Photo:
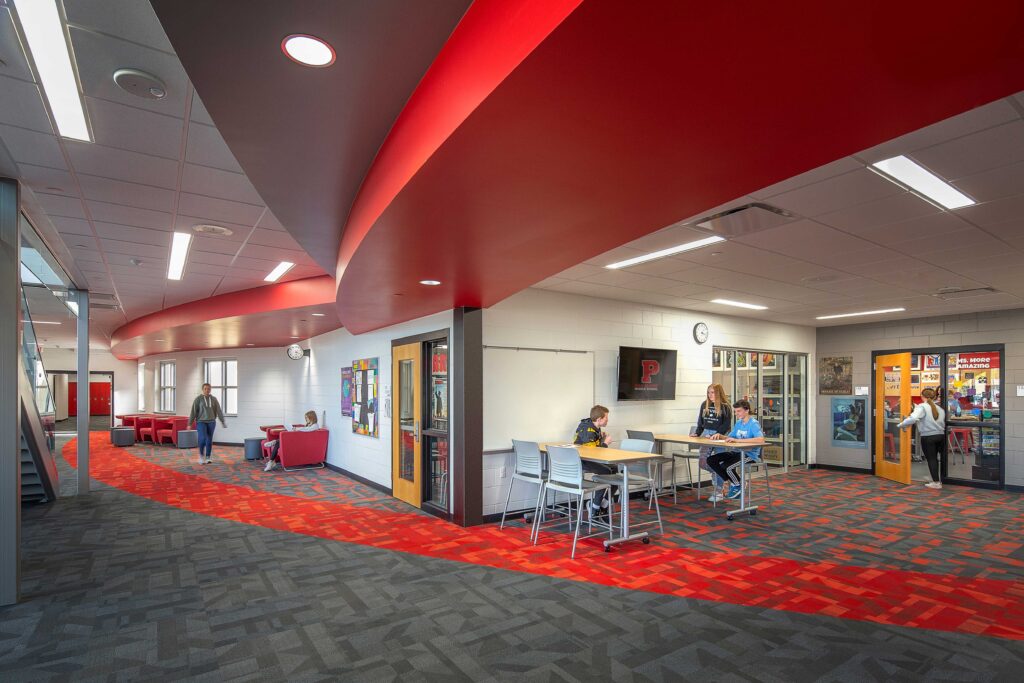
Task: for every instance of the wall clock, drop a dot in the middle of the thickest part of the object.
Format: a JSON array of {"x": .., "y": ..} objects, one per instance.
[
  {"x": 296, "y": 352},
  {"x": 700, "y": 332}
]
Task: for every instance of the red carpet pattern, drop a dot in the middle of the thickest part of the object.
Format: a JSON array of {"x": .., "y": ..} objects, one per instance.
[{"x": 900, "y": 597}]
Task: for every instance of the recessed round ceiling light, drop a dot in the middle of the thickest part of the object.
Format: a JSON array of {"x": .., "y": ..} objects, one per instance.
[
  {"x": 308, "y": 50},
  {"x": 430, "y": 283},
  {"x": 208, "y": 229}
]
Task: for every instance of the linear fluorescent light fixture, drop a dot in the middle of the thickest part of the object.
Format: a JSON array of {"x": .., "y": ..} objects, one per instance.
[
  {"x": 678, "y": 249},
  {"x": 922, "y": 181},
  {"x": 41, "y": 322},
  {"x": 44, "y": 33},
  {"x": 282, "y": 268},
  {"x": 739, "y": 304},
  {"x": 853, "y": 315},
  {"x": 179, "y": 252}
]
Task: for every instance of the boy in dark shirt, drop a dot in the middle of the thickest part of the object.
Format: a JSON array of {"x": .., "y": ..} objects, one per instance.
[{"x": 589, "y": 433}]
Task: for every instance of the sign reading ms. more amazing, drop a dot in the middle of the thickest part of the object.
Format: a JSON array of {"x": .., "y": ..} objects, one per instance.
[{"x": 646, "y": 374}]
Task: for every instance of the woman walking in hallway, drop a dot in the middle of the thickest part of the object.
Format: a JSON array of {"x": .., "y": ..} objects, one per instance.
[
  {"x": 204, "y": 415},
  {"x": 931, "y": 426}
]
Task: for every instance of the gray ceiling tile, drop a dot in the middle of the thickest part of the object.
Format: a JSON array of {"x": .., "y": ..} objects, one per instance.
[
  {"x": 30, "y": 147},
  {"x": 213, "y": 182},
  {"x": 128, "y": 19},
  {"x": 134, "y": 129},
  {"x": 207, "y": 148},
  {"x": 120, "y": 164},
  {"x": 130, "y": 216},
  {"x": 127, "y": 194},
  {"x": 214, "y": 210},
  {"x": 22, "y": 105}
]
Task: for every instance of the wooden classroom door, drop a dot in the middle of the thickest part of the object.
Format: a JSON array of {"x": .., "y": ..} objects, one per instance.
[
  {"x": 99, "y": 398},
  {"x": 892, "y": 404},
  {"x": 406, "y": 441}
]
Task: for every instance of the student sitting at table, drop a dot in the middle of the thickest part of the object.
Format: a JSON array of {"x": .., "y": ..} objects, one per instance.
[
  {"x": 310, "y": 426},
  {"x": 714, "y": 417},
  {"x": 589, "y": 433},
  {"x": 745, "y": 430}
]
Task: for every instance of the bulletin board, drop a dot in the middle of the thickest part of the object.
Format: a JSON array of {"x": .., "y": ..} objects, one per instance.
[{"x": 365, "y": 395}]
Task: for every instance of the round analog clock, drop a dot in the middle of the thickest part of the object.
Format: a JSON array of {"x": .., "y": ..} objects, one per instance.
[
  {"x": 296, "y": 352},
  {"x": 700, "y": 332}
]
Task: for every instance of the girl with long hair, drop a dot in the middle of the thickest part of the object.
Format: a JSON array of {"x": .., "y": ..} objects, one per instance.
[
  {"x": 931, "y": 426},
  {"x": 714, "y": 417}
]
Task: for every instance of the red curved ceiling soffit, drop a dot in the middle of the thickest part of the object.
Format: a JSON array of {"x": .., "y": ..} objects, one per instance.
[
  {"x": 542, "y": 139},
  {"x": 273, "y": 315}
]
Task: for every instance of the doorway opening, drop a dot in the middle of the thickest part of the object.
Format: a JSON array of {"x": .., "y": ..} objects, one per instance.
[
  {"x": 64, "y": 387},
  {"x": 968, "y": 382},
  {"x": 420, "y": 428}
]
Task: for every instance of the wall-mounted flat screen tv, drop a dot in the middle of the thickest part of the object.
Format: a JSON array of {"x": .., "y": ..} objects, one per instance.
[{"x": 646, "y": 374}]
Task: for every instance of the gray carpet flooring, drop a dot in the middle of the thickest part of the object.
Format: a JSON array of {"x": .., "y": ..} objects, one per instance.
[{"x": 120, "y": 588}]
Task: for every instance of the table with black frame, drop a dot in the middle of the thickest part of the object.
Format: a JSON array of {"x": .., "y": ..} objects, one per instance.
[{"x": 722, "y": 443}]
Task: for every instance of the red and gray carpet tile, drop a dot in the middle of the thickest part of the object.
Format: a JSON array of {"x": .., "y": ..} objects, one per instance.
[{"x": 843, "y": 577}]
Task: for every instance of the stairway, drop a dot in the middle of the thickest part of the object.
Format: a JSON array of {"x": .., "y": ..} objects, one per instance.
[{"x": 32, "y": 490}]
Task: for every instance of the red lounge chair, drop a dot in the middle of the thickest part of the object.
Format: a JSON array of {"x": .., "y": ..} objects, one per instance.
[
  {"x": 144, "y": 429},
  {"x": 167, "y": 430},
  {"x": 302, "y": 449}
]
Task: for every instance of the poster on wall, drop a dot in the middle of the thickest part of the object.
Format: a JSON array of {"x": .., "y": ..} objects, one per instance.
[
  {"x": 716, "y": 359},
  {"x": 835, "y": 375},
  {"x": 932, "y": 361},
  {"x": 346, "y": 392},
  {"x": 848, "y": 422},
  {"x": 364, "y": 402}
]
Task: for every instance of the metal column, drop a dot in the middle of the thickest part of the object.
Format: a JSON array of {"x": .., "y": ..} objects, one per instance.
[
  {"x": 82, "y": 298},
  {"x": 10, "y": 409}
]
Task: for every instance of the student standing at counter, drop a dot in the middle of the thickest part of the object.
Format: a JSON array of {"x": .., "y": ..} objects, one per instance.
[
  {"x": 931, "y": 425},
  {"x": 746, "y": 430},
  {"x": 714, "y": 417}
]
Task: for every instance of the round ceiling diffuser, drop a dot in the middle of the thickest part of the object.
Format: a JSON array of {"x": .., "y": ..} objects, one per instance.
[
  {"x": 140, "y": 84},
  {"x": 213, "y": 229}
]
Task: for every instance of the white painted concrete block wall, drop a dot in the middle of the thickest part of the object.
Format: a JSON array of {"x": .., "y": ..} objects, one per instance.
[
  {"x": 995, "y": 327},
  {"x": 544, "y": 319},
  {"x": 274, "y": 389}
]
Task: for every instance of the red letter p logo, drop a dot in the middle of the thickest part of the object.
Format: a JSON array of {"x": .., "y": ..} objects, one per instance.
[{"x": 649, "y": 368}]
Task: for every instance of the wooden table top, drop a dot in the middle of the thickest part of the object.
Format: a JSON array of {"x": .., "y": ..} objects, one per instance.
[
  {"x": 701, "y": 441},
  {"x": 606, "y": 455}
]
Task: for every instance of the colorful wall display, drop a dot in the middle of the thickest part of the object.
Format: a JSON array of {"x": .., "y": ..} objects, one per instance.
[
  {"x": 835, "y": 375},
  {"x": 365, "y": 383},
  {"x": 848, "y": 422},
  {"x": 346, "y": 392}
]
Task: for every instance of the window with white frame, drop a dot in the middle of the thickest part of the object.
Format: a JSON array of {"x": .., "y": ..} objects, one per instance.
[
  {"x": 168, "y": 377},
  {"x": 142, "y": 387},
  {"x": 222, "y": 376}
]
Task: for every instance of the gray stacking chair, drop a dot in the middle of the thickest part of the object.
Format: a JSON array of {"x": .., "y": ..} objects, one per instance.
[
  {"x": 529, "y": 468},
  {"x": 565, "y": 475},
  {"x": 639, "y": 473},
  {"x": 660, "y": 464}
]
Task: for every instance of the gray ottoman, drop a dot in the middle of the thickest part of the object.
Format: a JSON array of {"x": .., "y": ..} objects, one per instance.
[
  {"x": 254, "y": 448},
  {"x": 122, "y": 436},
  {"x": 188, "y": 438}
]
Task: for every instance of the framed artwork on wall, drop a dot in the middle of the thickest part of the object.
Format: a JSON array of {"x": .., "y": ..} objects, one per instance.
[
  {"x": 346, "y": 391},
  {"x": 768, "y": 361},
  {"x": 848, "y": 422},
  {"x": 716, "y": 359},
  {"x": 932, "y": 361},
  {"x": 835, "y": 375},
  {"x": 915, "y": 362},
  {"x": 365, "y": 384}
]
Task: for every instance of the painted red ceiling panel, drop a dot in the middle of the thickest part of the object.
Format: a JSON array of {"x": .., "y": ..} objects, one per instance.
[
  {"x": 628, "y": 117},
  {"x": 273, "y": 315}
]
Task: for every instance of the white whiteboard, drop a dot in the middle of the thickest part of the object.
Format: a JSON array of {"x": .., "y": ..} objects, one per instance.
[{"x": 535, "y": 395}]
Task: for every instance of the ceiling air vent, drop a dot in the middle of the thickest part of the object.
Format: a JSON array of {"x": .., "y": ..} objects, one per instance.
[
  {"x": 746, "y": 220},
  {"x": 947, "y": 293}
]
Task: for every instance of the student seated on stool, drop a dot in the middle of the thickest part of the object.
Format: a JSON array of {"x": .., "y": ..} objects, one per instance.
[
  {"x": 589, "y": 433},
  {"x": 310, "y": 426},
  {"x": 746, "y": 430}
]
